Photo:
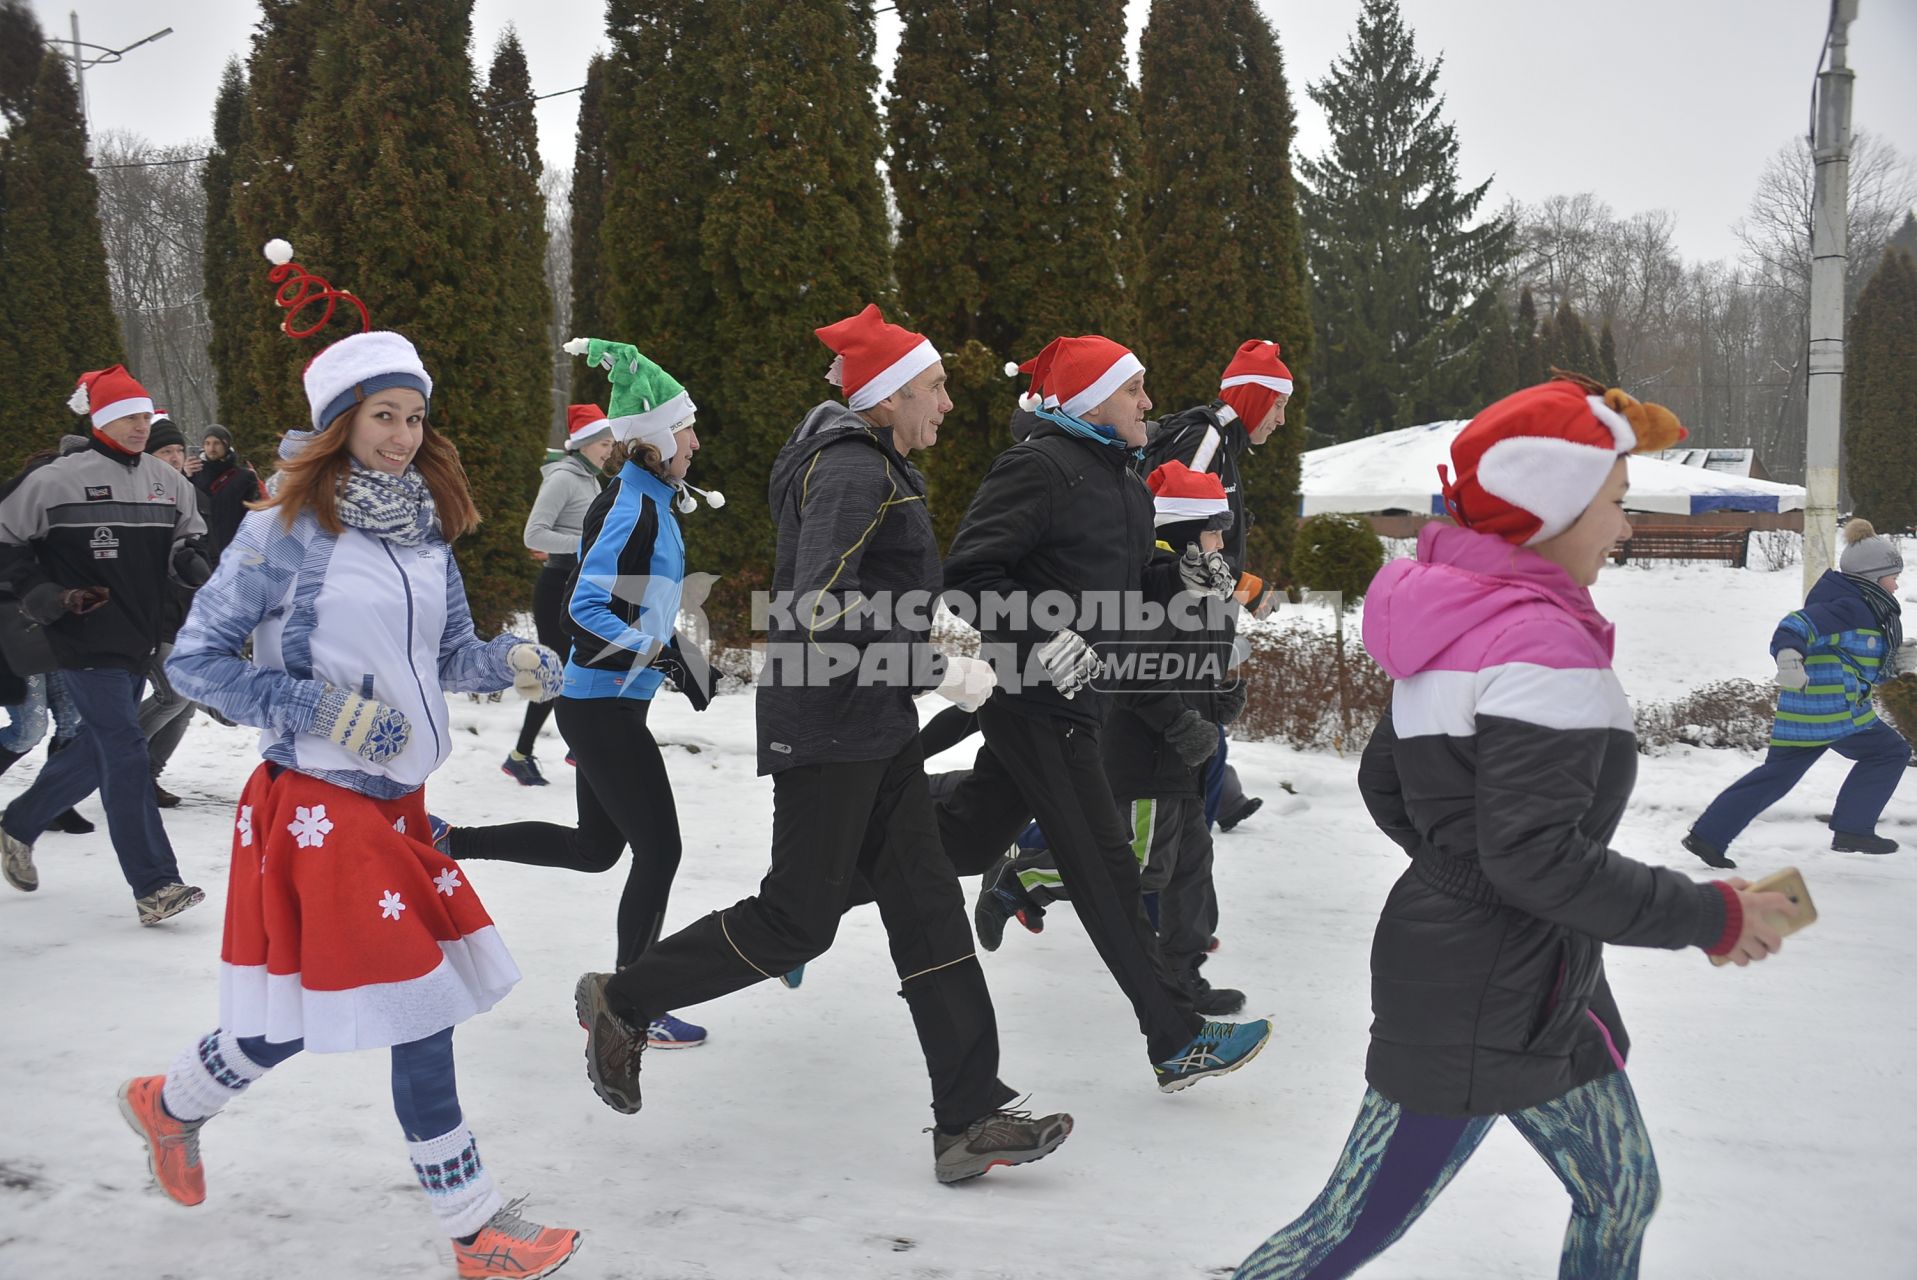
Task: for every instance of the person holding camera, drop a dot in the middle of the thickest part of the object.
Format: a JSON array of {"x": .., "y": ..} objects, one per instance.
[{"x": 93, "y": 545}]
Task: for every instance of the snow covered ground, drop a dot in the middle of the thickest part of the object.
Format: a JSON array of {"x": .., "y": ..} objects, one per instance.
[{"x": 1782, "y": 1099}]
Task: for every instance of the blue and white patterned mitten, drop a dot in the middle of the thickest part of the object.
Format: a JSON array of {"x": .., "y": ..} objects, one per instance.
[
  {"x": 371, "y": 730},
  {"x": 538, "y": 673}
]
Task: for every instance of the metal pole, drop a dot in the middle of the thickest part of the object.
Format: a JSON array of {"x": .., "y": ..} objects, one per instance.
[
  {"x": 79, "y": 74},
  {"x": 1830, "y": 253}
]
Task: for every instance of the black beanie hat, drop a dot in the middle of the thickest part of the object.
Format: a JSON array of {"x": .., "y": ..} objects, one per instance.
[{"x": 163, "y": 434}]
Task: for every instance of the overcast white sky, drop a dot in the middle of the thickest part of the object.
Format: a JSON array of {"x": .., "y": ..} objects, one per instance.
[{"x": 1670, "y": 104}]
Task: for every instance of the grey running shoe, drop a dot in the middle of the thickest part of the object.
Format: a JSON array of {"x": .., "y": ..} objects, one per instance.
[
  {"x": 612, "y": 1047},
  {"x": 168, "y": 901},
  {"x": 16, "y": 864},
  {"x": 1001, "y": 1138}
]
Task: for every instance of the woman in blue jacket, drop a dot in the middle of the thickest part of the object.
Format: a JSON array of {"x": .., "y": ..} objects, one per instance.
[
  {"x": 621, "y": 607},
  {"x": 1846, "y": 640}
]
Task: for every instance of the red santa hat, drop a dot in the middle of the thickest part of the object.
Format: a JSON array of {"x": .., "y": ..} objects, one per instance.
[
  {"x": 1180, "y": 494},
  {"x": 109, "y": 394},
  {"x": 584, "y": 424},
  {"x": 1528, "y": 466},
  {"x": 1254, "y": 380},
  {"x": 1076, "y": 375},
  {"x": 874, "y": 358}
]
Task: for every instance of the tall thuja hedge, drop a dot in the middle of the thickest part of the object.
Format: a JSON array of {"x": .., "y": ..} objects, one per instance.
[
  {"x": 229, "y": 266},
  {"x": 397, "y": 196},
  {"x": 1880, "y": 397},
  {"x": 795, "y": 237},
  {"x": 1224, "y": 245},
  {"x": 53, "y": 269},
  {"x": 1014, "y": 219},
  {"x": 588, "y": 209},
  {"x": 519, "y": 221}
]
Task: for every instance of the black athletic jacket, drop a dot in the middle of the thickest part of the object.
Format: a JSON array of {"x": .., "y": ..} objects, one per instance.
[{"x": 97, "y": 517}]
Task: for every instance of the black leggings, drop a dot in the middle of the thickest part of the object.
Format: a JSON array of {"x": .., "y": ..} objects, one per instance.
[
  {"x": 625, "y": 798},
  {"x": 549, "y": 624}
]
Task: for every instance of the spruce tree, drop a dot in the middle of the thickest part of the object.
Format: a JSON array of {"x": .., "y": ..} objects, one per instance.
[
  {"x": 53, "y": 269},
  {"x": 1607, "y": 356},
  {"x": 1009, "y": 173},
  {"x": 1224, "y": 244},
  {"x": 590, "y": 177},
  {"x": 1497, "y": 351},
  {"x": 795, "y": 237},
  {"x": 1393, "y": 258},
  {"x": 1530, "y": 347},
  {"x": 1880, "y": 397},
  {"x": 230, "y": 267}
]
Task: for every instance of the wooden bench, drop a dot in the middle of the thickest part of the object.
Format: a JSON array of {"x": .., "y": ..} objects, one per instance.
[{"x": 1684, "y": 542}]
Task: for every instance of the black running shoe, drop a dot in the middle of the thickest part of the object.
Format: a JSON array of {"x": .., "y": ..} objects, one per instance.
[
  {"x": 1855, "y": 842},
  {"x": 1713, "y": 857},
  {"x": 1000, "y": 897},
  {"x": 1214, "y": 1002},
  {"x": 1250, "y": 805}
]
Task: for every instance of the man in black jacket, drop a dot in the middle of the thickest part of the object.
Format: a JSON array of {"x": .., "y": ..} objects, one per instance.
[
  {"x": 93, "y": 545},
  {"x": 1051, "y": 554},
  {"x": 228, "y": 483},
  {"x": 848, "y": 631}
]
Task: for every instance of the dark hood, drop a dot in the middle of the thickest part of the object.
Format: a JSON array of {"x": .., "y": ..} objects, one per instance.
[{"x": 827, "y": 424}]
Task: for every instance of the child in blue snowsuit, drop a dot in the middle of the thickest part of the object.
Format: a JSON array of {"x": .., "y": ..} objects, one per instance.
[{"x": 1831, "y": 654}]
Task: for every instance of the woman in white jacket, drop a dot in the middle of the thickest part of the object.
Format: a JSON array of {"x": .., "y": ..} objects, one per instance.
[{"x": 345, "y": 928}]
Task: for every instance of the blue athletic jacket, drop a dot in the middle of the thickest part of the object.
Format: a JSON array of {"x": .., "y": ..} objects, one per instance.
[
  {"x": 1844, "y": 649},
  {"x": 624, "y": 597}
]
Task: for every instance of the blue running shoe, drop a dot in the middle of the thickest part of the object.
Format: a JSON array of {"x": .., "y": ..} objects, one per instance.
[
  {"x": 668, "y": 1032},
  {"x": 440, "y": 832},
  {"x": 1217, "y": 1048},
  {"x": 524, "y": 770},
  {"x": 794, "y": 978}
]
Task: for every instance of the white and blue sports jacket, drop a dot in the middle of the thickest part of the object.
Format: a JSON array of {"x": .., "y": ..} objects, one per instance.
[
  {"x": 624, "y": 599},
  {"x": 350, "y": 611}
]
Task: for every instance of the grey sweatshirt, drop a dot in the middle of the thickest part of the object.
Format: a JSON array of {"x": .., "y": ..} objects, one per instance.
[{"x": 558, "y": 514}]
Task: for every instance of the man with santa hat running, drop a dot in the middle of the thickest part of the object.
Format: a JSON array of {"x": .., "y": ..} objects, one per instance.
[
  {"x": 847, "y": 647},
  {"x": 1063, "y": 525}
]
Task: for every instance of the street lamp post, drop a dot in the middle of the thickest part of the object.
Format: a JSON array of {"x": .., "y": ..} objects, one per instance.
[{"x": 101, "y": 57}]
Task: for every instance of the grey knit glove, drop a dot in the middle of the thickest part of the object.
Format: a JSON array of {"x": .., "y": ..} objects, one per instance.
[{"x": 1193, "y": 737}]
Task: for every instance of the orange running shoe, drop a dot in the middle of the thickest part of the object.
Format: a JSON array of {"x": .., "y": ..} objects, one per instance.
[
  {"x": 508, "y": 1245},
  {"x": 172, "y": 1146}
]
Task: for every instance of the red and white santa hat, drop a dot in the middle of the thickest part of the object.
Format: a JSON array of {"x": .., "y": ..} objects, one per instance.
[
  {"x": 1076, "y": 375},
  {"x": 585, "y": 423},
  {"x": 1528, "y": 466},
  {"x": 1254, "y": 380},
  {"x": 1180, "y": 494},
  {"x": 874, "y": 358},
  {"x": 109, "y": 394}
]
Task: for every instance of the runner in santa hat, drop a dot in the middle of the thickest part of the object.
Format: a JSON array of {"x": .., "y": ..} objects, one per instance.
[
  {"x": 566, "y": 490},
  {"x": 1060, "y": 530},
  {"x": 1502, "y": 768},
  {"x": 345, "y": 928},
  {"x": 620, "y": 615},
  {"x": 94, "y": 545},
  {"x": 838, "y": 732}
]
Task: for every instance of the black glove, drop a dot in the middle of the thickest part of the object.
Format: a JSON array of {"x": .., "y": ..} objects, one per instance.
[
  {"x": 190, "y": 564},
  {"x": 1231, "y": 703},
  {"x": 1193, "y": 737},
  {"x": 49, "y": 602},
  {"x": 672, "y": 661}
]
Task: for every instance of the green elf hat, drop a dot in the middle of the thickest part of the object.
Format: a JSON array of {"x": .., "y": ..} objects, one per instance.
[{"x": 647, "y": 404}]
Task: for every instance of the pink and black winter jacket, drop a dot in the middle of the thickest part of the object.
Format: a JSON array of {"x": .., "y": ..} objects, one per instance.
[{"x": 1502, "y": 769}]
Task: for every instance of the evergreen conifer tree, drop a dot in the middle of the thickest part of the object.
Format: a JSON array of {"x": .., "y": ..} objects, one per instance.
[
  {"x": 53, "y": 269},
  {"x": 229, "y": 265},
  {"x": 589, "y": 181},
  {"x": 1573, "y": 351},
  {"x": 1530, "y": 345},
  {"x": 1393, "y": 258},
  {"x": 519, "y": 227},
  {"x": 1013, "y": 216},
  {"x": 1224, "y": 244},
  {"x": 1607, "y": 356},
  {"x": 22, "y": 45},
  {"x": 1880, "y": 397},
  {"x": 1497, "y": 353}
]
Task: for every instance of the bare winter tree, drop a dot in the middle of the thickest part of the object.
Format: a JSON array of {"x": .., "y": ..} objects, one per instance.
[
  {"x": 556, "y": 186},
  {"x": 152, "y": 211}
]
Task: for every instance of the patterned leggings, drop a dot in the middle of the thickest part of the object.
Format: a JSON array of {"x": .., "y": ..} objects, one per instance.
[
  {"x": 1396, "y": 1162},
  {"x": 27, "y": 723}
]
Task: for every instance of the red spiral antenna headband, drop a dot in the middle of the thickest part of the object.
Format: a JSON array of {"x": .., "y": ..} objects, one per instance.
[{"x": 299, "y": 289}]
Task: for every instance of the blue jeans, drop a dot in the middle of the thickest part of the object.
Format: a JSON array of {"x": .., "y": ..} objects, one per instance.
[
  {"x": 1396, "y": 1162},
  {"x": 108, "y": 755},
  {"x": 1880, "y": 752}
]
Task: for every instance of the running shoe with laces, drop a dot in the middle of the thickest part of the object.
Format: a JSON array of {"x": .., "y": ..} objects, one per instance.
[
  {"x": 792, "y": 978},
  {"x": 668, "y": 1032},
  {"x": 1218, "y": 1048},
  {"x": 1000, "y": 1139},
  {"x": 508, "y": 1245},
  {"x": 172, "y": 1146},
  {"x": 16, "y": 864},
  {"x": 168, "y": 901},
  {"x": 524, "y": 770},
  {"x": 1000, "y": 897},
  {"x": 612, "y": 1047}
]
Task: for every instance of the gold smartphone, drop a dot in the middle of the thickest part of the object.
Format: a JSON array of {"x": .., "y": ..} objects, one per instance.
[{"x": 1790, "y": 883}]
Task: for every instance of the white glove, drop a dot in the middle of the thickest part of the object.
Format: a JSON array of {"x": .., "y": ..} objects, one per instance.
[
  {"x": 1205, "y": 573},
  {"x": 371, "y": 730},
  {"x": 1790, "y": 670},
  {"x": 538, "y": 673},
  {"x": 1069, "y": 661},
  {"x": 968, "y": 682}
]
